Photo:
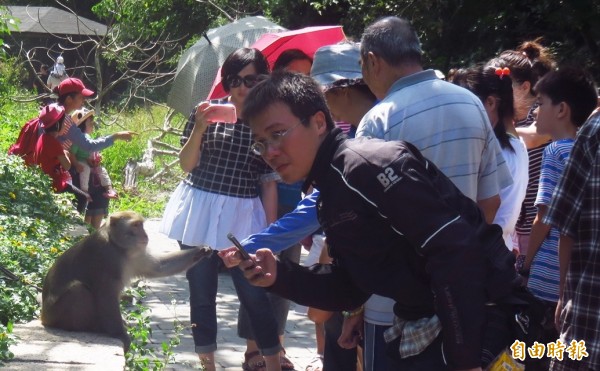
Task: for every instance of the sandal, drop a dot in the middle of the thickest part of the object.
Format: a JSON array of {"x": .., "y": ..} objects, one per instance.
[
  {"x": 316, "y": 364},
  {"x": 256, "y": 366},
  {"x": 286, "y": 364}
]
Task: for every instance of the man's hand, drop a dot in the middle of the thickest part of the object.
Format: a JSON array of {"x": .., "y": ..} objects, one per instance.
[
  {"x": 352, "y": 332},
  {"x": 557, "y": 322},
  {"x": 261, "y": 270},
  {"x": 230, "y": 256}
]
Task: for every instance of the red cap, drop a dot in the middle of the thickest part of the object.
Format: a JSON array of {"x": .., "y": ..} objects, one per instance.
[
  {"x": 50, "y": 114},
  {"x": 73, "y": 85}
]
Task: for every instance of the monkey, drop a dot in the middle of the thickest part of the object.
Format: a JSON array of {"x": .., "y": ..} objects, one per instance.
[{"x": 81, "y": 290}]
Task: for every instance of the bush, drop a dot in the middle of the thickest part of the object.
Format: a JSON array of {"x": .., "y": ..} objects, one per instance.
[
  {"x": 14, "y": 116},
  {"x": 12, "y": 72},
  {"x": 34, "y": 226}
]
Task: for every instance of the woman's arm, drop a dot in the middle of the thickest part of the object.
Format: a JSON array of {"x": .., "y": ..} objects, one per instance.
[
  {"x": 189, "y": 156},
  {"x": 530, "y": 136}
]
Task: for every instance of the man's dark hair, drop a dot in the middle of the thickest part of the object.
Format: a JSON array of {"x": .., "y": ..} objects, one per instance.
[
  {"x": 299, "y": 92},
  {"x": 239, "y": 59},
  {"x": 288, "y": 56},
  {"x": 573, "y": 86},
  {"x": 394, "y": 40}
]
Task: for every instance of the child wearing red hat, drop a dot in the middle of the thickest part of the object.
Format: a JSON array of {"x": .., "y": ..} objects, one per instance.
[{"x": 49, "y": 153}]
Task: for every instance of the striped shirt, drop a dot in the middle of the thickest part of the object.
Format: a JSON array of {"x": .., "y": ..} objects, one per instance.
[
  {"x": 575, "y": 212},
  {"x": 528, "y": 210},
  {"x": 544, "y": 276},
  {"x": 228, "y": 166},
  {"x": 449, "y": 125}
]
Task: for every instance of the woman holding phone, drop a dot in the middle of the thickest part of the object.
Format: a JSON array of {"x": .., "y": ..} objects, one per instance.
[{"x": 221, "y": 195}]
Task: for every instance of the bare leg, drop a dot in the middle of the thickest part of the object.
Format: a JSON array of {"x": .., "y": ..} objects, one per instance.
[
  {"x": 207, "y": 361},
  {"x": 95, "y": 220}
]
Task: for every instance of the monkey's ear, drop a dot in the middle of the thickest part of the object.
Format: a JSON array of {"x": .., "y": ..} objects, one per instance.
[{"x": 113, "y": 219}]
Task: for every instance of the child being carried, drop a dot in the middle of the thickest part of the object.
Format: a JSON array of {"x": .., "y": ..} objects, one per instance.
[{"x": 88, "y": 162}]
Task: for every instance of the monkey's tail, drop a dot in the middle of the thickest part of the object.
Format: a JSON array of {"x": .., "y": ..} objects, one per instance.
[{"x": 13, "y": 277}]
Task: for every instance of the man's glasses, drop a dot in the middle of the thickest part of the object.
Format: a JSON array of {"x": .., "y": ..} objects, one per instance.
[
  {"x": 260, "y": 148},
  {"x": 235, "y": 81}
]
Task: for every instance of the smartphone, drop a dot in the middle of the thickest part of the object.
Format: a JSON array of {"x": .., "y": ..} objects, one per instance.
[
  {"x": 223, "y": 113},
  {"x": 243, "y": 252}
]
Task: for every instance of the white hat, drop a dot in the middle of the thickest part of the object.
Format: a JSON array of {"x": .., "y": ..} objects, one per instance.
[
  {"x": 335, "y": 64},
  {"x": 60, "y": 59},
  {"x": 81, "y": 115}
]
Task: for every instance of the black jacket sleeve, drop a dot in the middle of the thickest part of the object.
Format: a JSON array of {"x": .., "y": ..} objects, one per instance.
[{"x": 323, "y": 286}]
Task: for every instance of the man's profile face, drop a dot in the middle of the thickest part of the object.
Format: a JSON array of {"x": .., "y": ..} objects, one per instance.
[{"x": 289, "y": 146}]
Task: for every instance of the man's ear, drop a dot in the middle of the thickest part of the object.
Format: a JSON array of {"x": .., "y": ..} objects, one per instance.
[
  {"x": 320, "y": 122},
  {"x": 374, "y": 62}
]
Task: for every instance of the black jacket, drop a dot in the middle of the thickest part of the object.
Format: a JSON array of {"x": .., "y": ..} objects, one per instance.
[{"x": 397, "y": 227}]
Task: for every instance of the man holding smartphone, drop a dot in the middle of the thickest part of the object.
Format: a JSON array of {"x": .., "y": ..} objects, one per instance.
[{"x": 395, "y": 225}]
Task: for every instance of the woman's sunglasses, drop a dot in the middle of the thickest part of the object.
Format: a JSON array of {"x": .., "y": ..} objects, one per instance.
[{"x": 235, "y": 81}]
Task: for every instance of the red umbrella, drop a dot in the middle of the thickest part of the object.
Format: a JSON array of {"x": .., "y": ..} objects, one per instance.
[{"x": 307, "y": 39}]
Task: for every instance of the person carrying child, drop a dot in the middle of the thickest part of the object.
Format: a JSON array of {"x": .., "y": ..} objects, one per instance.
[
  {"x": 49, "y": 153},
  {"x": 88, "y": 162}
]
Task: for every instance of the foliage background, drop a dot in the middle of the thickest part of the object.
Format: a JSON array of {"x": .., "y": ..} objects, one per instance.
[{"x": 454, "y": 33}]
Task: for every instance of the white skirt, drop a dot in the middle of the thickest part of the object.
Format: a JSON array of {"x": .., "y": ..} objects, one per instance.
[{"x": 197, "y": 217}]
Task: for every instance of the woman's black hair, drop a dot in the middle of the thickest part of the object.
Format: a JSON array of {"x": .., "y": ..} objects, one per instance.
[
  {"x": 485, "y": 81},
  {"x": 238, "y": 60}
]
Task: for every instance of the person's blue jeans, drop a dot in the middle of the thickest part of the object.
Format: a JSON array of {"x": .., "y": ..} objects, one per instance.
[
  {"x": 203, "y": 282},
  {"x": 280, "y": 306}
]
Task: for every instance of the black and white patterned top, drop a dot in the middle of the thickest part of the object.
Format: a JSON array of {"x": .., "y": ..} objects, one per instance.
[{"x": 227, "y": 165}]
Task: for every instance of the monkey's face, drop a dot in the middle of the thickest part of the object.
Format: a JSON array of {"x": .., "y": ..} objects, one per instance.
[
  {"x": 127, "y": 230},
  {"x": 136, "y": 235}
]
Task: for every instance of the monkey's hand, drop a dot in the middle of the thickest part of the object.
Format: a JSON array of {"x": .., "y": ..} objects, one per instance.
[
  {"x": 230, "y": 256},
  {"x": 202, "y": 252},
  {"x": 261, "y": 269}
]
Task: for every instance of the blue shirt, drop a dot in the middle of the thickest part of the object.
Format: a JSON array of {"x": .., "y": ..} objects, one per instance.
[
  {"x": 74, "y": 136},
  {"x": 287, "y": 230},
  {"x": 449, "y": 125}
]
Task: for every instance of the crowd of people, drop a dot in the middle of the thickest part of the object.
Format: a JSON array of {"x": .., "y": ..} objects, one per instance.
[
  {"x": 428, "y": 210},
  {"x": 435, "y": 210}
]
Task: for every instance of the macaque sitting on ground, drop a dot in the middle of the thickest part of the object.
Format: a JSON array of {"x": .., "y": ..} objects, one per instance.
[{"x": 82, "y": 289}]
